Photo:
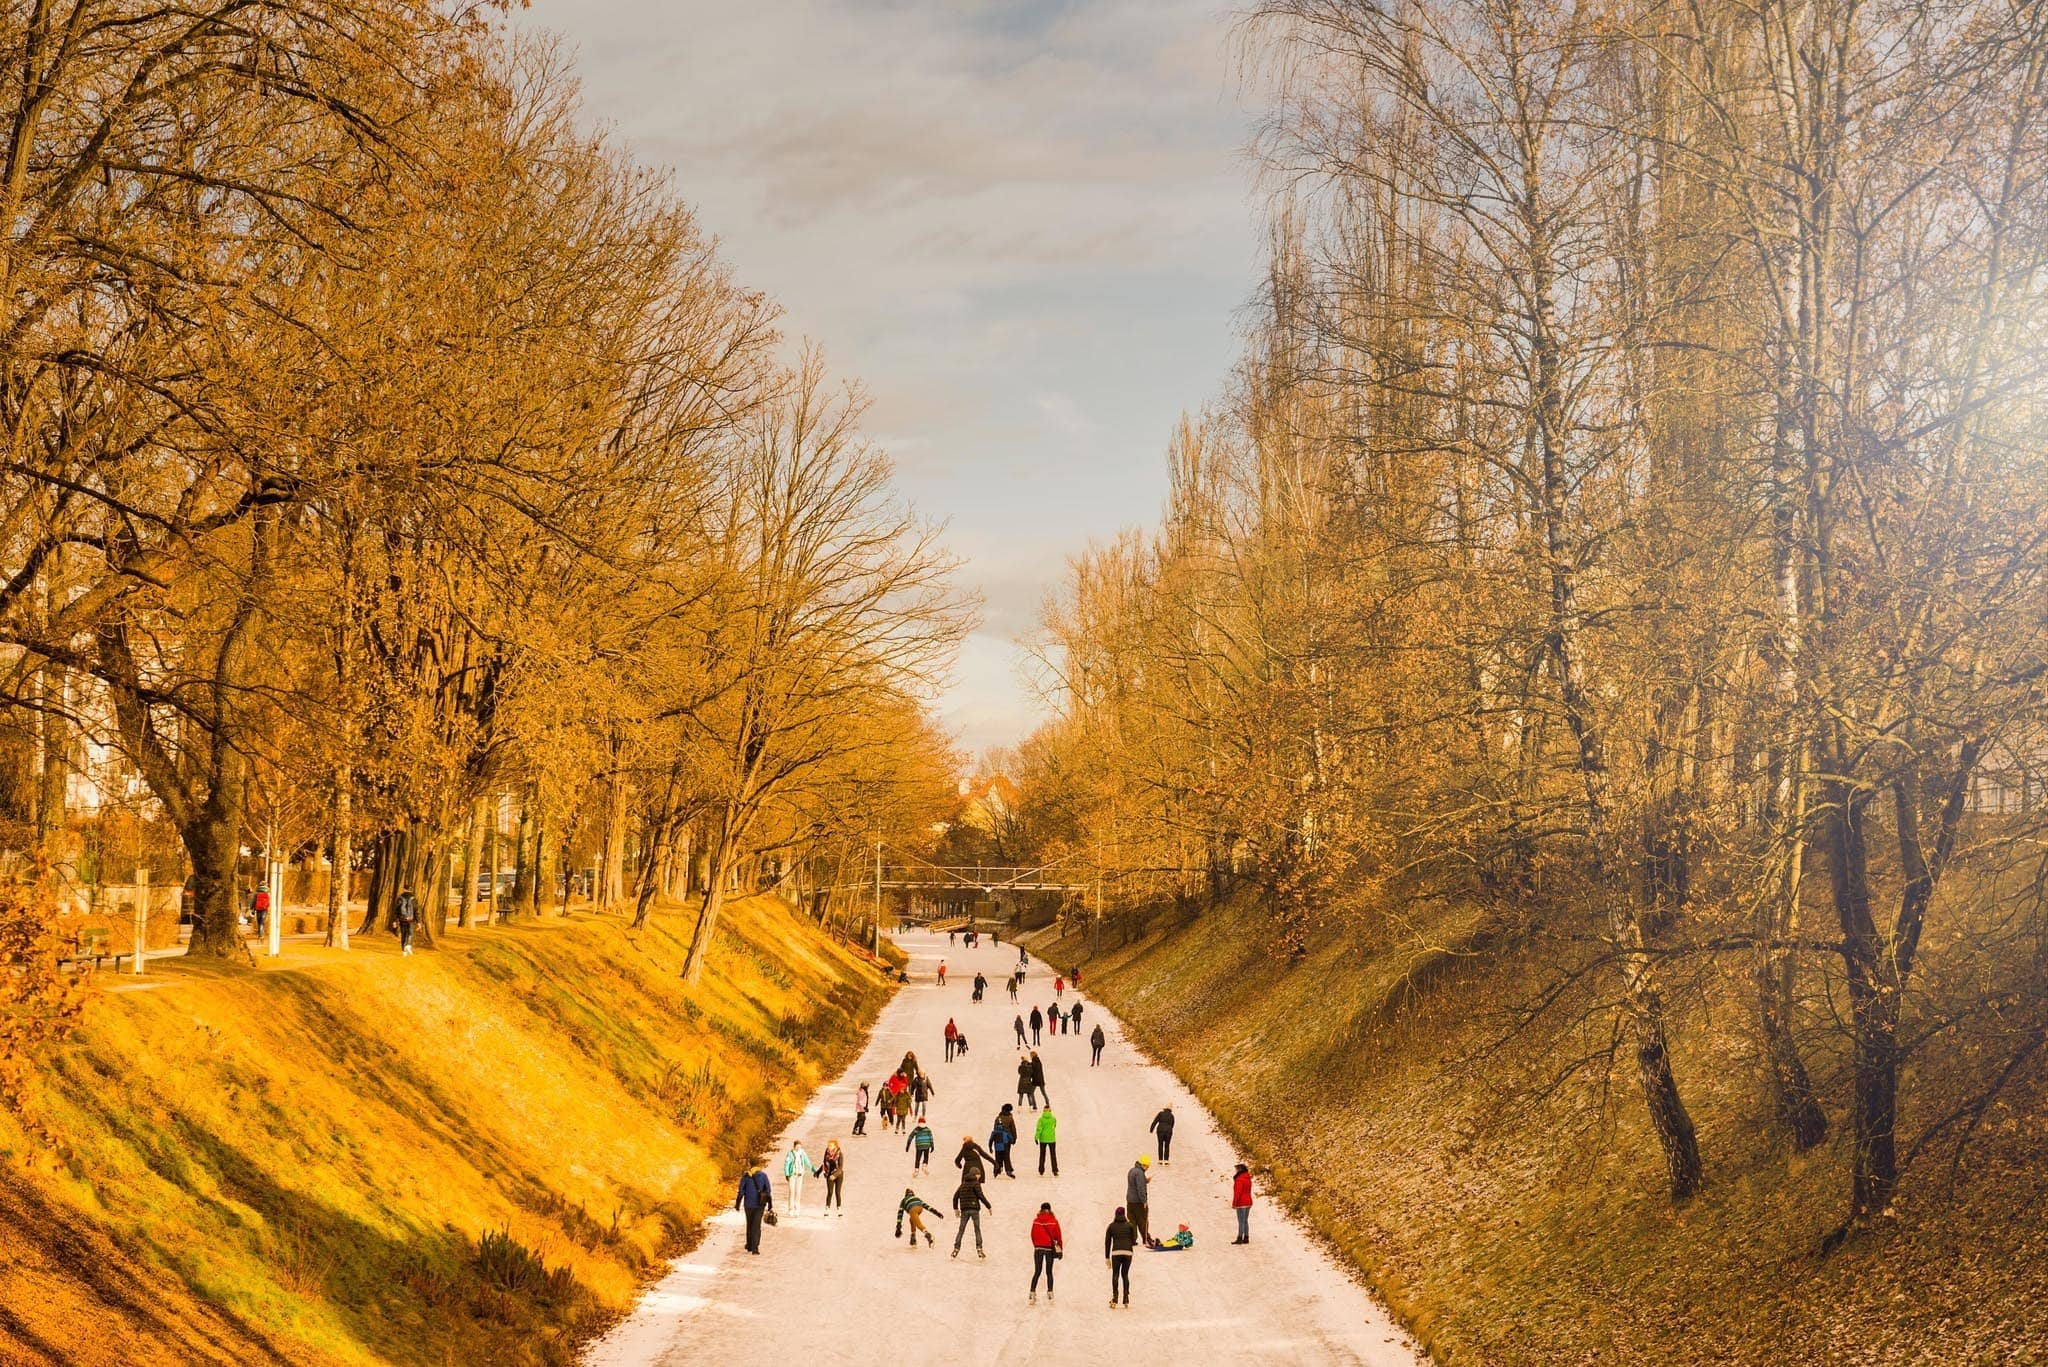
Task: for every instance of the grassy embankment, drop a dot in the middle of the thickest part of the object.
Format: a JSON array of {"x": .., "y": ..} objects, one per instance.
[
  {"x": 1372, "y": 1092},
  {"x": 475, "y": 1155}
]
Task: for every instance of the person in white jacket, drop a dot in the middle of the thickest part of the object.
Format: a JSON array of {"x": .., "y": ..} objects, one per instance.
[{"x": 796, "y": 1166}]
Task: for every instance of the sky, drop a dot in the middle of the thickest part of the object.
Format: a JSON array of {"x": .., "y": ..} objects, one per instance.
[{"x": 1025, "y": 228}]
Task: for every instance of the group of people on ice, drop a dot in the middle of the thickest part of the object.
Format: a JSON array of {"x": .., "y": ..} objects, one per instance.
[{"x": 905, "y": 1095}]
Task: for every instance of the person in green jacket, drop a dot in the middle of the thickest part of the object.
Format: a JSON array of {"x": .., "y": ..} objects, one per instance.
[
  {"x": 916, "y": 1208},
  {"x": 922, "y": 1142},
  {"x": 1047, "y": 1136}
]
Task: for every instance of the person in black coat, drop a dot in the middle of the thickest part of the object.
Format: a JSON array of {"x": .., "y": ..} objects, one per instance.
[
  {"x": 1095, "y": 1043},
  {"x": 1037, "y": 1025},
  {"x": 1027, "y": 1086},
  {"x": 756, "y": 1198},
  {"x": 971, "y": 1159},
  {"x": 1119, "y": 1242},
  {"x": 1038, "y": 1078},
  {"x": 1002, "y": 1141},
  {"x": 1162, "y": 1125}
]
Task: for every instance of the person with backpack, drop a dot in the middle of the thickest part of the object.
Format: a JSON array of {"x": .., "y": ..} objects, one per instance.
[
  {"x": 921, "y": 1143},
  {"x": 860, "y": 1109},
  {"x": 260, "y": 903},
  {"x": 973, "y": 1160},
  {"x": 1162, "y": 1125},
  {"x": 1095, "y": 1043},
  {"x": 797, "y": 1165},
  {"x": 756, "y": 1198},
  {"x": 915, "y": 1207},
  {"x": 406, "y": 917},
  {"x": 1046, "y": 1249},
  {"x": 1241, "y": 1203},
  {"x": 832, "y": 1167},
  {"x": 1037, "y": 1026},
  {"x": 969, "y": 1201},
  {"x": 1002, "y": 1139},
  {"x": 1047, "y": 1134},
  {"x": 1119, "y": 1242},
  {"x": 1137, "y": 1189}
]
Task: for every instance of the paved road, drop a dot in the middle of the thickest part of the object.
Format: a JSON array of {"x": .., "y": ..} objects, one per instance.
[{"x": 831, "y": 1290}]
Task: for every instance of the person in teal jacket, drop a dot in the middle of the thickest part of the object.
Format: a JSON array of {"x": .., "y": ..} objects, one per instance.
[
  {"x": 916, "y": 1208},
  {"x": 1047, "y": 1136},
  {"x": 796, "y": 1166},
  {"x": 921, "y": 1142}
]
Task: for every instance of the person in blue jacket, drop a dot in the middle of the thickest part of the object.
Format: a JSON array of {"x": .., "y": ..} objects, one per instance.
[{"x": 756, "y": 1198}]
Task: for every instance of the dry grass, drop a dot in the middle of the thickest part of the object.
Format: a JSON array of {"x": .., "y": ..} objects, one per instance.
[
  {"x": 336, "y": 1158},
  {"x": 1505, "y": 1231}
]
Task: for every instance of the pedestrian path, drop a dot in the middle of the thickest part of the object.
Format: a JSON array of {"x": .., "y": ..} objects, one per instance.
[{"x": 840, "y": 1290}]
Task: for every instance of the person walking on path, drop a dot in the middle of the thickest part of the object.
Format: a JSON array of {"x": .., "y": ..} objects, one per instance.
[
  {"x": 406, "y": 916},
  {"x": 952, "y": 1036},
  {"x": 920, "y": 1144},
  {"x": 1047, "y": 1134},
  {"x": 1241, "y": 1202},
  {"x": 973, "y": 1160},
  {"x": 860, "y": 1109},
  {"x": 1046, "y": 1248},
  {"x": 1074, "y": 1017},
  {"x": 1027, "y": 1089},
  {"x": 797, "y": 1165},
  {"x": 1074, "y": 976},
  {"x": 1137, "y": 1189},
  {"x": 969, "y": 1200},
  {"x": 756, "y": 1198},
  {"x": 1119, "y": 1241},
  {"x": 1059, "y": 985},
  {"x": 1095, "y": 1043},
  {"x": 915, "y": 1207},
  {"x": 1002, "y": 1139},
  {"x": 1162, "y": 1125},
  {"x": 1037, "y": 1025},
  {"x": 832, "y": 1167},
  {"x": 1038, "y": 1078}
]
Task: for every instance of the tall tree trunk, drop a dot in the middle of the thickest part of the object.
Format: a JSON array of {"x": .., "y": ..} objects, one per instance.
[
  {"x": 341, "y": 854},
  {"x": 472, "y": 858},
  {"x": 721, "y": 855}
]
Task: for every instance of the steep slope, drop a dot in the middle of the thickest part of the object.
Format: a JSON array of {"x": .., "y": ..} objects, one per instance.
[{"x": 475, "y": 1154}]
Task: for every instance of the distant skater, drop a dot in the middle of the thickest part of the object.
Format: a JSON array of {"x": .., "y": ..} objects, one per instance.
[
  {"x": 1095, "y": 1043},
  {"x": 1002, "y": 1139},
  {"x": 952, "y": 1037},
  {"x": 832, "y": 1167},
  {"x": 1162, "y": 1125},
  {"x": 914, "y": 1207},
  {"x": 920, "y": 1145},
  {"x": 1241, "y": 1202},
  {"x": 1037, "y": 1026},
  {"x": 1074, "y": 1017},
  {"x": 1047, "y": 1134},
  {"x": 756, "y": 1198},
  {"x": 1013, "y": 988},
  {"x": 860, "y": 1109},
  {"x": 1022, "y": 1039},
  {"x": 1046, "y": 1247},
  {"x": 942, "y": 973},
  {"x": 1059, "y": 985},
  {"x": 1027, "y": 1088},
  {"x": 1038, "y": 1078},
  {"x": 969, "y": 1201},
  {"x": 1118, "y": 1243},
  {"x": 797, "y": 1165}
]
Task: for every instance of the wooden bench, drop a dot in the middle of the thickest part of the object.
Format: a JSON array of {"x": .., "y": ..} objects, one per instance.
[{"x": 94, "y": 947}]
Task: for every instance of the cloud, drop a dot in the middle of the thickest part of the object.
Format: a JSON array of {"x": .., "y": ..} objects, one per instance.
[{"x": 1062, "y": 417}]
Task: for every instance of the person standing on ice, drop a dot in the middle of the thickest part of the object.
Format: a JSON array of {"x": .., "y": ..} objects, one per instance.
[
  {"x": 1074, "y": 1017},
  {"x": 1162, "y": 1125},
  {"x": 1002, "y": 1139},
  {"x": 914, "y": 1206},
  {"x": 921, "y": 1143},
  {"x": 1013, "y": 987},
  {"x": 969, "y": 1200},
  {"x": 1027, "y": 1089},
  {"x": 1137, "y": 1192},
  {"x": 1059, "y": 985},
  {"x": 832, "y": 1167},
  {"x": 952, "y": 1034},
  {"x": 1048, "y": 1135},
  {"x": 1038, "y": 1078},
  {"x": 756, "y": 1198},
  {"x": 1118, "y": 1243},
  {"x": 1022, "y": 1040},
  {"x": 1241, "y": 1202},
  {"x": 1046, "y": 1247},
  {"x": 1095, "y": 1043},
  {"x": 860, "y": 1109},
  {"x": 942, "y": 973},
  {"x": 922, "y": 1090},
  {"x": 797, "y": 1165},
  {"x": 1037, "y": 1025}
]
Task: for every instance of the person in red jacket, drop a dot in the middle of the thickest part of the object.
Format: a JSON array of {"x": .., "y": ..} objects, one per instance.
[
  {"x": 952, "y": 1037},
  {"x": 1241, "y": 1202},
  {"x": 1046, "y": 1248}
]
